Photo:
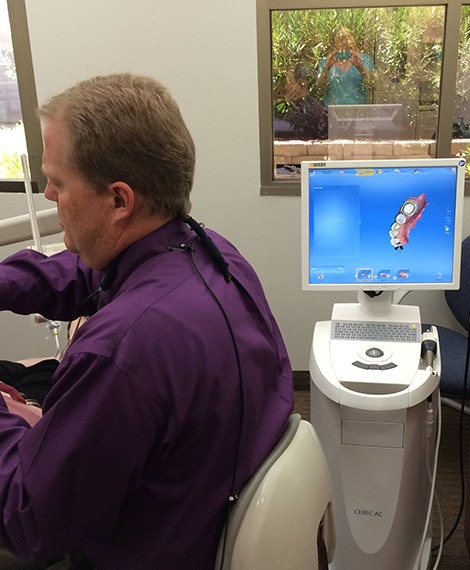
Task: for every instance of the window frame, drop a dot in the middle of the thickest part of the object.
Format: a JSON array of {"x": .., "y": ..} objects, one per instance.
[
  {"x": 453, "y": 9},
  {"x": 28, "y": 98}
]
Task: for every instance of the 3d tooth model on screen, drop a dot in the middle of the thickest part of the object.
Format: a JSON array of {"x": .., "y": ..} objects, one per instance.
[{"x": 408, "y": 215}]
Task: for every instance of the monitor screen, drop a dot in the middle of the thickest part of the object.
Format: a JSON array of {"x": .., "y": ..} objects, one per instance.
[{"x": 382, "y": 225}]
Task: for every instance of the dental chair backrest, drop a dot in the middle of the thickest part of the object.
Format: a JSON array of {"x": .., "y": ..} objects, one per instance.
[{"x": 283, "y": 517}]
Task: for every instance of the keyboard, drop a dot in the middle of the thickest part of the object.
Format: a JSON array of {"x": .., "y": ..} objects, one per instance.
[{"x": 377, "y": 331}]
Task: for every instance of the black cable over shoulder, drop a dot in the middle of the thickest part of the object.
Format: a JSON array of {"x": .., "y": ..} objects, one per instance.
[
  {"x": 222, "y": 265},
  {"x": 212, "y": 249}
]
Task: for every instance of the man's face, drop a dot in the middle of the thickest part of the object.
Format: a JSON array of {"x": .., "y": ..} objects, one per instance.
[{"x": 83, "y": 213}]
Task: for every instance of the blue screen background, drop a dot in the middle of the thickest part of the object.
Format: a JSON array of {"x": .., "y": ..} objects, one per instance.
[{"x": 350, "y": 214}]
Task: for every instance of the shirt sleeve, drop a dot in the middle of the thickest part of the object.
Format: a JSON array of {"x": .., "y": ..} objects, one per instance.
[
  {"x": 55, "y": 286},
  {"x": 52, "y": 497},
  {"x": 367, "y": 62}
]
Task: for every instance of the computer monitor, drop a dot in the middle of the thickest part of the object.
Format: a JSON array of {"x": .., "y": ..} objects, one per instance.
[
  {"x": 382, "y": 225},
  {"x": 365, "y": 122}
]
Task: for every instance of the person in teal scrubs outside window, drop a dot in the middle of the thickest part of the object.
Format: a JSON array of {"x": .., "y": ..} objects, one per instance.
[{"x": 346, "y": 75}]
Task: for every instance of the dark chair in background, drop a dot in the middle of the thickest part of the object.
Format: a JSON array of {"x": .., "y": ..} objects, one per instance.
[
  {"x": 453, "y": 351},
  {"x": 453, "y": 344}
]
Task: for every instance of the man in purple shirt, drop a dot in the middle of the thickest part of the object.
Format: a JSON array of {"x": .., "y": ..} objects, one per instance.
[{"x": 176, "y": 388}]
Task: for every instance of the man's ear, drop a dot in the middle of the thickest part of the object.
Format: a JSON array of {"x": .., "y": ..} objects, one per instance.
[{"x": 123, "y": 198}]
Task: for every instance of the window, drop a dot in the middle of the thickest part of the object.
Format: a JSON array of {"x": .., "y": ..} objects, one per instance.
[
  {"x": 19, "y": 128},
  {"x": 360, "y": 81},
  {"x": 461, "y": 116}
]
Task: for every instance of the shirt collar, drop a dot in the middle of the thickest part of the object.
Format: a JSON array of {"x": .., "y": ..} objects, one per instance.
[{"x": 156, "y": 243}]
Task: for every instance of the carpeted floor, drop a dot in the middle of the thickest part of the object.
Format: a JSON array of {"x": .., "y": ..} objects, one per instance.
[{"x": 454, "y": 555}]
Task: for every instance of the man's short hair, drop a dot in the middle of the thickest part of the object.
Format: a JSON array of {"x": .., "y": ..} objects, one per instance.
[{"x": 128, "y": 128}]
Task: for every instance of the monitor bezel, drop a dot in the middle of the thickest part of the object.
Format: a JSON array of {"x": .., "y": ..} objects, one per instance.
[{"x": 377, "y": 163}]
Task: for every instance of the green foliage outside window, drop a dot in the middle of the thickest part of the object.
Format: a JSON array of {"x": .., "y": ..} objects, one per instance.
[
  {"x": 12, "y": 140},
  {"x": 12, "y": 146},
  {"x": 404, "y": 42}
]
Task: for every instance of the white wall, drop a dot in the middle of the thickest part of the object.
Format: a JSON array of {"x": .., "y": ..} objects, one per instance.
[
  {"x": 206, "y": 52},
  {"x": 19, "y": 336}
]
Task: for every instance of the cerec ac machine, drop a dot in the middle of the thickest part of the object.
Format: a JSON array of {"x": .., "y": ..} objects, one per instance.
[{"x": 379, "y": 228}]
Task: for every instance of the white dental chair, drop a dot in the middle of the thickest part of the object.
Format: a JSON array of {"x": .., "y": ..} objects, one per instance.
[{"x": 283, "y": 518}]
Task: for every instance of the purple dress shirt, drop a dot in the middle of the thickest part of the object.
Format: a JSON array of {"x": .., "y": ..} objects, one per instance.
[{"x": 150, "y": 424}]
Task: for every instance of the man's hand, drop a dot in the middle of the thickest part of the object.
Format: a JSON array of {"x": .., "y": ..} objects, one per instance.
[
  {"x": 356, "y": 60},
  {"x": 331, "y": 60}
]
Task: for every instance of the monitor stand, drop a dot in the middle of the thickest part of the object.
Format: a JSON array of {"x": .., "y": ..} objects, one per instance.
[
  {"x": 374, "y": 302},
  {"x": 379, "y": 302},
  {"x": 372, "y": 423},
  {"x": 376, "y": 306}
]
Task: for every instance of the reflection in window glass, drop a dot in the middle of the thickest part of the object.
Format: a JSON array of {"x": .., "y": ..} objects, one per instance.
[
  {"x": 12, "y": 136},
  {"x": 355, "y": 83},
  {"x": 461, "y": 118}
]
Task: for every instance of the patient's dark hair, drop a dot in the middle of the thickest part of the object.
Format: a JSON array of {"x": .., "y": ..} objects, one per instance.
[{"x": 128, "y": 128}]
